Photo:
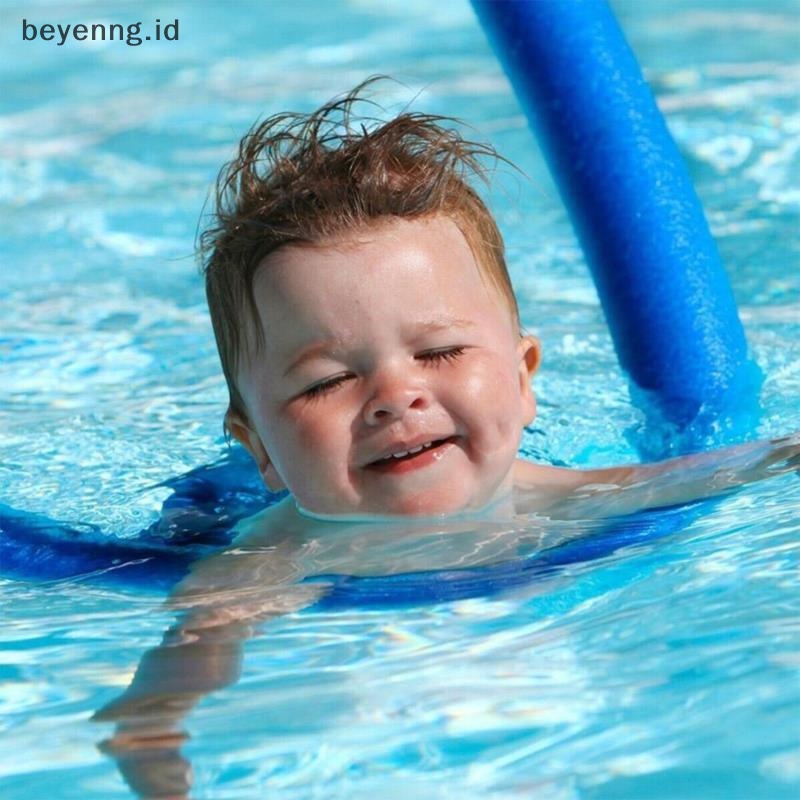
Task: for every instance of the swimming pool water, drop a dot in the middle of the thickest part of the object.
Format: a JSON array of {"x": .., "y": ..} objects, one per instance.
[{"x": 668, "y": 670}]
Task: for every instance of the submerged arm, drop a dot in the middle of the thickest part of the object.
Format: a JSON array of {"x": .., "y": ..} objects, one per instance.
[
  {"x": 623, "y": 490},
  {"x": 199, "y": 655}
]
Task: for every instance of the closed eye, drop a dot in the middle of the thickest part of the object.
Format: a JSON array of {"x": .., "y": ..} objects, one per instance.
[
  {"x": 435, "y": 357},
  {"x": 442, "y": 355},
  {"x": 323, "y": 387}
]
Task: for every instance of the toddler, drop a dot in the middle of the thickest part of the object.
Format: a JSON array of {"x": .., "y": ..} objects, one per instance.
[{"x": 372, "y": 348}]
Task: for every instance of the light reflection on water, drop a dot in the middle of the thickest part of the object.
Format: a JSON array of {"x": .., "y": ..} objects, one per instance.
[{"x": 674, "y": 658}]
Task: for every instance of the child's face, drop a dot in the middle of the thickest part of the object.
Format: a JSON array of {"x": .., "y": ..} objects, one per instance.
[{"x": 377, "y": 343}]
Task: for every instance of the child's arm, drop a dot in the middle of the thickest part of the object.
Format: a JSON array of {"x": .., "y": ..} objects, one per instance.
[
  {"x": 197, "y": 656},
  {"x": 623, "y": 490}
]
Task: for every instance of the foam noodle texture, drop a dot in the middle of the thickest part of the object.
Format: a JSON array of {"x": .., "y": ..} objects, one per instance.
[
  {"x": 444, "y": 586},
  {"x": 666, "y": 297}
]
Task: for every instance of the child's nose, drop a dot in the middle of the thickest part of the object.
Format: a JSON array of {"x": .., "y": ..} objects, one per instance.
[{"x": 393, "y": 398}]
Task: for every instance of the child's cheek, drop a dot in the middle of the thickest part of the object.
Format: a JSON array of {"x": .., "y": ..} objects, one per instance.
[
  {"x": 306, "y": 419},
  {"x": 489, "y": 382},
  {"x": 489, "y": 397},
  {"x": 314, "y": 427}
]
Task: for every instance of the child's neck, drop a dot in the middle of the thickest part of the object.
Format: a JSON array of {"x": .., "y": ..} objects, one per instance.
[{"x": 500, "y": 506}]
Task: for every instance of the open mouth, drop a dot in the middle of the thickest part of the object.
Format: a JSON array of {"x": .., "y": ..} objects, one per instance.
[{"x": 402, "y": 461}]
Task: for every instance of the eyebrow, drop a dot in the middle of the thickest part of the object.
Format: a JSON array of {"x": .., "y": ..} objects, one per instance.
[
  {"x": 328, "y": 346},
  {"x": 311, "y": 351}
]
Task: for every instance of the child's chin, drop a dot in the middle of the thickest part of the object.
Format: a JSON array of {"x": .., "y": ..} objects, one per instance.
[{"x": 425, "y": 505}]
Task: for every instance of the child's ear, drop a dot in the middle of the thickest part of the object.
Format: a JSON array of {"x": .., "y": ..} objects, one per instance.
[
  {"x": 529, "y": 353},
  {"x": 241, "y": 429}
]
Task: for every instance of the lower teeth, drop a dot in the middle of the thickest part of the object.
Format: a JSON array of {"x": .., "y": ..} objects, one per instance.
[{"x": 392, "y": 459}]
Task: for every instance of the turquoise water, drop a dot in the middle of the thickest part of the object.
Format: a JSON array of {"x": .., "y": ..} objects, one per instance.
[{"x": 669, "y": 670}]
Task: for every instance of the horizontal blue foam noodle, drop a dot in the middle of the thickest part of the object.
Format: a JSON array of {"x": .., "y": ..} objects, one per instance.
[
  {"x": 199, "y": 517},
  {"x": 664, "y": 292},
  {"x": 442, "y": 586},
  {"x": 35, "y": 547}
]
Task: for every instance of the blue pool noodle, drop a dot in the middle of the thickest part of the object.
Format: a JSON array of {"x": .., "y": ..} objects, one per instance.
[
  {"x": 666, "y": 297},
  {"x": 33, "y": 546}
]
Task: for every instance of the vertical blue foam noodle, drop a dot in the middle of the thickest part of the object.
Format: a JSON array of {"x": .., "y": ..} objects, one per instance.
[{"x": 665, "y": 294}]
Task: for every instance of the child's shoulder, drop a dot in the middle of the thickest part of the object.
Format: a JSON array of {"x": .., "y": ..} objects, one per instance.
[
  {"x": 542, "y": 487},
  {"x": 279, "y": 521},
  {"x": 260, "y": 553},
  {"x": 550, "y": 482}
]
